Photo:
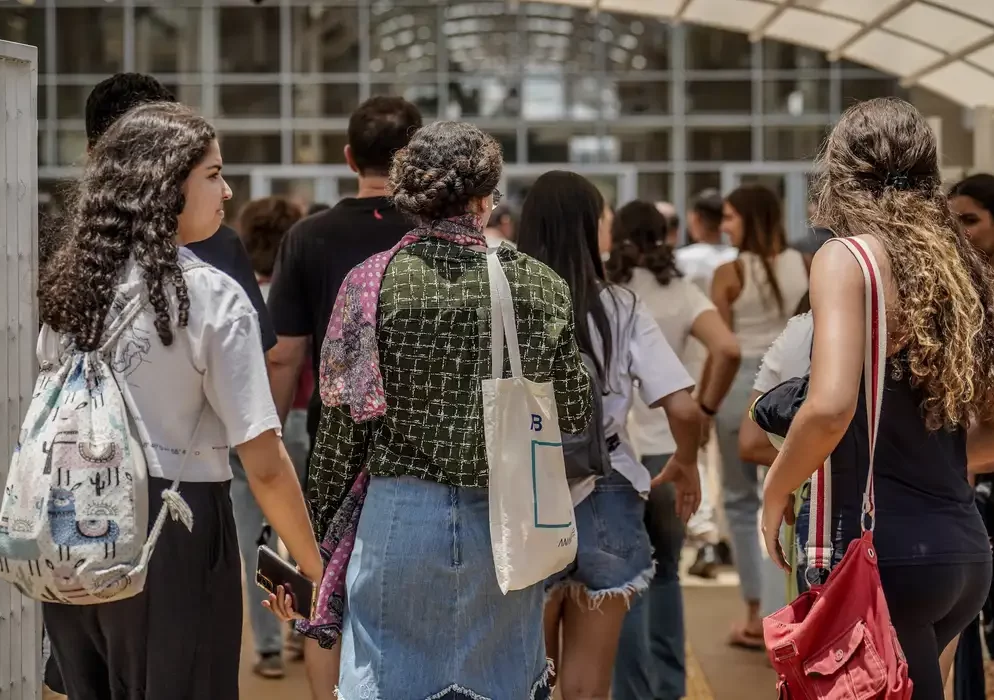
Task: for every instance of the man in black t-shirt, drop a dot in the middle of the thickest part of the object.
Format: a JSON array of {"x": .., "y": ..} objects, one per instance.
[
  {"x": 107, "y": 103},
  {"x": 319, "y": 251}
]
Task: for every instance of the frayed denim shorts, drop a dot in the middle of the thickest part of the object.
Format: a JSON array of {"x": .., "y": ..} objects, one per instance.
[
  {"x": 614, "y": 557},
  {"x": 424, "y": 618}
]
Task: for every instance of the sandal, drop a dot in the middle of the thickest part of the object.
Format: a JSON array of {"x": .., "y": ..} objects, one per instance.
[{"x": 742, "y": 638}]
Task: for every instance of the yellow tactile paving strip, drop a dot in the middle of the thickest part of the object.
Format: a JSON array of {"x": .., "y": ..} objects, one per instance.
[{"x": 697, "y": 683}]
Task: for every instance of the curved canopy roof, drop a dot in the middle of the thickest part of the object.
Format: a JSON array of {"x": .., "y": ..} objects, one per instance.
[{"x": 946, "y": 46}]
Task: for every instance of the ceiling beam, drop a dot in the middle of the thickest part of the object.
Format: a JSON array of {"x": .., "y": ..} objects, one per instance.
[
  {"x": 874, "y": 23},
  {"x": 680, "y": 12},
  {"x": 950, "y": 58},
  {"x": 759, "y": 31}
]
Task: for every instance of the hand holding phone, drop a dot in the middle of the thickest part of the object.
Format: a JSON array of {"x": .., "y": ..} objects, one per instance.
[{"x": 291, "y": 594}]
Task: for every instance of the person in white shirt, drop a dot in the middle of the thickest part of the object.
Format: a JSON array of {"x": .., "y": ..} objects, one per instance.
[
  {"x": 669, "y": 212},
  {"x": 566, "y": 224},
  {"x": 501, "y": 228},
  {"x": 708, "y": 250},
  {"x": 192, "y": 356},
  {"x": 756, "y": 295},
  {"x": 651, "y": 655}
]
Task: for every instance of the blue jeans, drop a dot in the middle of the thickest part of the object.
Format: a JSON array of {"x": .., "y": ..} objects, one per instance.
[
  {"x": 651, "y": 664},
  {"x": 250, "y": 524}
]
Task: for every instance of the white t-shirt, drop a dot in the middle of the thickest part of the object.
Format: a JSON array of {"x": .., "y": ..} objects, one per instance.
[
  {"x": 214, "y": 364},
  {"x": 698, "y": 261},
  {"x": 789, "y": 356},
  {"x": 675, "y": 308},
  {"x": 640, "y": 354}
]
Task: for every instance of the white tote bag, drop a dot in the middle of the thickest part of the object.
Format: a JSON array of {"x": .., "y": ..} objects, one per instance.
[{"x": 532, "y": 528}]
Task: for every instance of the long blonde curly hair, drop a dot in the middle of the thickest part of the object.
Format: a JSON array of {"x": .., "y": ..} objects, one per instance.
[{"x": 878, "y": 174}]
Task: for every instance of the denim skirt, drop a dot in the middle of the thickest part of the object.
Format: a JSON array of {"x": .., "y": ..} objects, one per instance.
[{"x": 424, "y": 617}]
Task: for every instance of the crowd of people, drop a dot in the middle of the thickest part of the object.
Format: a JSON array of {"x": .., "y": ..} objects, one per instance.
[{"x": 316, "y": 374}]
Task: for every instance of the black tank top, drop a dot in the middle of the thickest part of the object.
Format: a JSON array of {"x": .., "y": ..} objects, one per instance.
[{"x": 925, "y": 505}]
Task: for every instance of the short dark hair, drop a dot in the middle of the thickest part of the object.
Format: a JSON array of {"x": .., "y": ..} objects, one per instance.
[
  {"x": 262, "y": 223},
  {"x": 112, "y": 98},
  {"x": 708, "y": 205},
  {"x": 380, "y": 127}
]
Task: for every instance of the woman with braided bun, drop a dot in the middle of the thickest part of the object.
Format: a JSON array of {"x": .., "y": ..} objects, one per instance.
[{"x": 401, "y": 369}]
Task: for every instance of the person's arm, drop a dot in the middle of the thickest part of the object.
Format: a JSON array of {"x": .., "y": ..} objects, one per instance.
[
  {"x": 290, "y": 307},
  {"x": 754, "y": 443},
  {"x": 570, "y": 381},
  {"x": 726, "y": 286},
  {"x": 276, "y": 488},
  {"x": 724, "y": 356},
  {"x": 837, "y": 304},
  {"x": 980, "y": 448},
  {"x": 339, "y": 454}
]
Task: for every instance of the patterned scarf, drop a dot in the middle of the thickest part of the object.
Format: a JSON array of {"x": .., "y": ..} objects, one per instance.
[{"x": 350, "y": 375}]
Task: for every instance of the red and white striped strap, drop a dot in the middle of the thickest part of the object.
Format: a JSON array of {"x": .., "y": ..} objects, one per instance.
[{"x": 819, "y": 547}]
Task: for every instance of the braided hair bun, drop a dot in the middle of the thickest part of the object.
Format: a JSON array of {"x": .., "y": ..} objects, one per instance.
[{"x": 445, "y": 166}]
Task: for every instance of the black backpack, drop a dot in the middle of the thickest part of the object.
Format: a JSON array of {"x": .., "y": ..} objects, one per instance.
[{"x": 586, "y": 453}]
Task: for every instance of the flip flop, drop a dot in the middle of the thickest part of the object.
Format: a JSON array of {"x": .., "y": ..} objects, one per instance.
[{"x": 741, "y": 639}]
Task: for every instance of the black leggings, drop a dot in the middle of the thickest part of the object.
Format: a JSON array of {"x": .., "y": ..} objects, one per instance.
[{"x": 929, "y": 605}]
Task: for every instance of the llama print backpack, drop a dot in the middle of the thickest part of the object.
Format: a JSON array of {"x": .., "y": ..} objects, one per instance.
[{"x": 74, "y": 516}]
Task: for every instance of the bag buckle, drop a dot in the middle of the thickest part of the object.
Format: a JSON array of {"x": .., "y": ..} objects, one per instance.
[{"x": 785, "y": 651}]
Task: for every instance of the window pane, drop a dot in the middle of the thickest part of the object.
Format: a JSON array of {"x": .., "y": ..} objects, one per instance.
[
  {"x": 509, "y": 145},
  {"x": 25, "y": 26},
  {"x": 713, "y": 96},
  {"x": 859, "y": 89},
  {"x": 326, "y": 148},
  {"x": 480, "y": 36},
  {"x": 640, "y": 145},
  {"x": 559, "y": 97},
  {"x": 719, "y": 144},
  {"x": 190, "y": 94},
  {"x": 636, "y": 97},
  {"x": 794, "y": 143},
  {"x": 780, "y": 56},
  {"x": 325, "y": 100},
  {"x": 90, "y": 39},
  {"x": 796, "y": 97},
  {"x": 249, "y": 100},
  {"x": 422, "y": 95},
  {"x": 716, "y": 49},
  {"x": 250, "y": 40},
  {"x": 635, "y": 43},
  {"x": 563, "y": 144},
  {"x": 403, "y": 39},
  {"x": 241, "y": 190},
  {"x": 655, "y": 187},
  {"x": 558, "y": 37},
  {"x": 71, "y": 146},
  {"x": 250, "y": 148},
  {"x": 167, "y": 40},
  {"x": 483, "y": 97},
  {"x": 325, "y": 39}
]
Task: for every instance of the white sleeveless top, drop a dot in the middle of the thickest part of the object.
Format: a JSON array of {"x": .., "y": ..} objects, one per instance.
[{"x": 758, "y": 319}]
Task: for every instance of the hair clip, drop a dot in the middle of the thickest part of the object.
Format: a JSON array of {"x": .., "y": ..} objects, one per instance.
[{"x": 899, "y": 181}]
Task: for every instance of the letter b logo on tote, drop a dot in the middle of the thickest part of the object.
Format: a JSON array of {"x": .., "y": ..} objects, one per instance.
[{"x": 536, "y": 423}]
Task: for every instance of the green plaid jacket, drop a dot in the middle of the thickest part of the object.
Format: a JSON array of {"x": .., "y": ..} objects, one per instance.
[{"x": 434, "y": 343}]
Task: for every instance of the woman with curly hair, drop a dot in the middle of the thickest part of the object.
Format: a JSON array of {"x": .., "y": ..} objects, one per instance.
[
  {"x": 651, "y": 655},
  {"x": 878, "y": 179},
  {"x": 191, "y": 364},
  {"x": 401, "y": 369}
]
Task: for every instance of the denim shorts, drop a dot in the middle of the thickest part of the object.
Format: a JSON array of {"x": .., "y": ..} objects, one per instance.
[
  {"x": 424, "y": 616},
  {"x": 614, "y": 557}
]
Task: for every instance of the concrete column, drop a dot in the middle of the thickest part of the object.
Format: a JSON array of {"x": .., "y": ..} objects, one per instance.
[{"x": 983, "y": 139}]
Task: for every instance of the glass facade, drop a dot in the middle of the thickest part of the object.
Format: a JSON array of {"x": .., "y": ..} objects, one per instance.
[{"x": 646, "y": 109}]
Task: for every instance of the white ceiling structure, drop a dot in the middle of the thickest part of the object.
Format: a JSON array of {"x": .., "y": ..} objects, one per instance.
[{"x": 946, "y": 46}]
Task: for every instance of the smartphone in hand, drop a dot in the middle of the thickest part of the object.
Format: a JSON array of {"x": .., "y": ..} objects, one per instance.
[{"x": 274, "y": 571}]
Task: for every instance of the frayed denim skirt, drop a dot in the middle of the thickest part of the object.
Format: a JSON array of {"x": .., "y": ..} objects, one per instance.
[{"x": 424, "y": 617}]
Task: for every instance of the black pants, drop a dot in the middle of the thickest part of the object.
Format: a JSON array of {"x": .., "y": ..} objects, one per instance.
[
  {"x": 929, "y": 605},
  {"x": 179, "y": 639}
]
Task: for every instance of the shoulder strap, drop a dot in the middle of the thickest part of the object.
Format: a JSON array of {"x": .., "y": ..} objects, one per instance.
[{"x": 819, "y": 547}]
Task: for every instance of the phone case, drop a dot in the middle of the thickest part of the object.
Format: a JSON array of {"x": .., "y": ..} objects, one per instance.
[{"x": 275, "y": 571}]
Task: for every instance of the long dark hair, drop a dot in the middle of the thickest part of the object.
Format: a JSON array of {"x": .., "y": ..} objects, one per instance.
[
  {"x": 762, "y": 229},
  {"x": 558, "y": 226},
  {"x": 127, "y": 203},
  {"x": 979, "y": 188},
  {"x": 639, "y": 240}
]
